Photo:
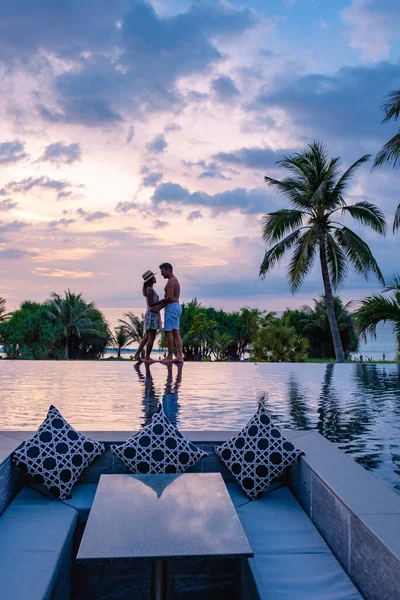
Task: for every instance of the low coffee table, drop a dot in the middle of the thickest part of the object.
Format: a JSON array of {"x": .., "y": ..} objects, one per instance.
[{"x": 160, "y": 517}]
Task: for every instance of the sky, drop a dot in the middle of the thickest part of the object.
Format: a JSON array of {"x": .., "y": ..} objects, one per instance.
[{"x": 134, "y": 133}]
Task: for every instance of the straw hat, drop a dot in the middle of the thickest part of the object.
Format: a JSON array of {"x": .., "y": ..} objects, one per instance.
[{"x": 147, "y": 276}]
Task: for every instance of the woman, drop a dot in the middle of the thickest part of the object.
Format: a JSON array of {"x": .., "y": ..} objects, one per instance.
[{"x": 152, "y": 320}]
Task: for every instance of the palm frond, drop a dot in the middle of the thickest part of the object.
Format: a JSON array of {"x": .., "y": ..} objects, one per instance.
[
  {"x": 390, "y": 152},
  {"x": 391, "y": 107},
  {"x": 344, "y": 180},
  {"x": 396, "y": 221},
  {"x": 336, "y": 260},
  {"x": 392, "y": 284},
  {"x": 368, "y": 214},
  {"x": 290, "y": 189},
  {"x": 374, "y": 310},
  {"x": 279, "y": 223},
  {"x": 302, "y": 259},
  {"x": 357, "y": 252},
  {"x": 273, "y": 256}
]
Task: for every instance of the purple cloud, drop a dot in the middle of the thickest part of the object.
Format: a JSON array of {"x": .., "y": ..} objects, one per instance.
[{"x": 61, "y": 153}]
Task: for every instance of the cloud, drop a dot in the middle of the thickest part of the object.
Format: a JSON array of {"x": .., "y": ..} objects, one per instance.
[
  {"x": 91, "y": 112},
  {"x": 172, "y": 127},
  {"x": 103, "y": 81},
  {"x": 157, "y": 145},
  {"x": 372, "y": 25},
  {"x": 131, "y": 134},
  {"x": 124, "y": 207},
  {"x": 160, "y": 224},
  {"x": 209, "y": 170},
  {"x": 7, "y": 205},
  {"x": 152, "y": 179},
  {"x": 224, "y": 88},
  {"x": 253, "y": 201},
  {"x": 12, "y": 152},
  {"x": 343, "y": 105},
  {"x": 61, "y": 222},
  {"x": 89, "y": 217},
  {"x": 194, "y": 215},
  {"x": 29, "y": 183},
  {"x": 12, "y": 226},
  {"x": 15, "y": 254},
  {"x": 61, "y": 153},
  {"x": 61, "y": 273},
  {"x": 252, "y": 158}
]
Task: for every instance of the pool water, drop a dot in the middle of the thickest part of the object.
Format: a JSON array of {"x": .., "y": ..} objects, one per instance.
[{"x": 356, "y": 406}]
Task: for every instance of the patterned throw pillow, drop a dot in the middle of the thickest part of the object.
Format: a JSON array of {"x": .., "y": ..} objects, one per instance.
[
  {"x": 57, "y": 454},
  {"x": 258, "y": 454},
  {"x": 158, "y": 448}
]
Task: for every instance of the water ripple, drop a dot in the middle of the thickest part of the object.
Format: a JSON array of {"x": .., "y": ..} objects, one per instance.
[{"x": 355, "y": 406}]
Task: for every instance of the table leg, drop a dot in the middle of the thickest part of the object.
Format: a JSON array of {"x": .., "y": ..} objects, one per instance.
[{"x": 159, "y": 580}]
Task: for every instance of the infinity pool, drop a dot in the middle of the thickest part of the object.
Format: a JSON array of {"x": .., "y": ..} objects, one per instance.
[{"x": 355, "y": 406}]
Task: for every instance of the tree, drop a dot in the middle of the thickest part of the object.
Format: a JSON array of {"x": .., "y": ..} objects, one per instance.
[
  {"x": 199, "y": 340},
  {"x": 133, "y": 327},
  {"x": 279, "y": 343},
  {"x": 120, "y": 339},
  {"x": 79, "y": 319},
  {"x": 313, "y": 324},
  {"x": 3, "y": 314},
  {"x": 380, "y": 309},
  {"x": 29, "y": 334},
  {"x": 390, "y": 153},
  {"x": 221, "y": 343},
  {"x": 315, "y": 191}
]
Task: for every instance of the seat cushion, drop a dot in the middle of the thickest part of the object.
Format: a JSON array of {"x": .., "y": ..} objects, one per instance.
[
  {"x": 35, "y": 539},
  {"x": 82, "y": 499},
  {"x": 291, "y": 559}
]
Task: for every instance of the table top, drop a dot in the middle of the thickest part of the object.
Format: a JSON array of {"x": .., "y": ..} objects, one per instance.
[{"x": 162, "y": 516}]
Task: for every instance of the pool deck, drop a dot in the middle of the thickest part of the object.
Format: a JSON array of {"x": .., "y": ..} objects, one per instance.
[{"x": 357, "y": 514}]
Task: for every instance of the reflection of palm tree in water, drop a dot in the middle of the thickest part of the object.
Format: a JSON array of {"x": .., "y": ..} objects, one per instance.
[
  {"x": 151, "y": 399},
  {"x": 349, "y": 428},
  {"x": 298, "y": 404}
]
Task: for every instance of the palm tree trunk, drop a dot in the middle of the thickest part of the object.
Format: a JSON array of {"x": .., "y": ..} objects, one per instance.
[
  {"x": 66, "y": 350},
  {"x": 337, "y": 342}
]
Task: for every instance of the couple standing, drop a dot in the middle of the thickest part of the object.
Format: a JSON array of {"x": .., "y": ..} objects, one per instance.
[{"x": 172, "y": 315}]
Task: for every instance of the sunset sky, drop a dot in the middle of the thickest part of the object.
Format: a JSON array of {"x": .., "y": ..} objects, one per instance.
[{"x": 134, "y": 133}]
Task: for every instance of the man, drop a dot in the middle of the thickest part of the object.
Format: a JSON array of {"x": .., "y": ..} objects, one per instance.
[{"x": 172, "y": 314}]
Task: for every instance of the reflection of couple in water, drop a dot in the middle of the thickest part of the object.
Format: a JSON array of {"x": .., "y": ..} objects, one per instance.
[
  {"x": 152, "y": 319},
  {"x": 151, "y": 398}
]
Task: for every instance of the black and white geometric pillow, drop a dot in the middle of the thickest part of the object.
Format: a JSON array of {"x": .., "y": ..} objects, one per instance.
[
  {"x": 158, "y": 448},
  {"x": 57, "y": 454},
  {"x": 258, "y": 454}
]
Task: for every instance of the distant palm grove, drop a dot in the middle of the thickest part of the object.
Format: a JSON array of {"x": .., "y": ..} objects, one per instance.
[{"x": 67, "y": 327}]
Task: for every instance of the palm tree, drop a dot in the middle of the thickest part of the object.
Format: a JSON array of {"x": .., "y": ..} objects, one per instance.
[
  {"x": 133, "y": 327},
  {"x": 74, "y": 314},
  {"x": 378, "y": 308},
  {"x": 279, "y": 343},
  {"x": 221, "y": 343},
  {"x": 120, "y": 339},
  {"x": 315, "y": 190},
  {"x": 391, "y": 150},
  {"x": 315, "y": 327},
  {"x": 3, "y": 315}
]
